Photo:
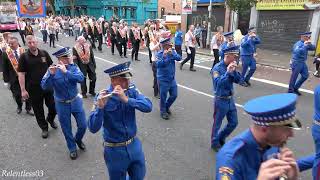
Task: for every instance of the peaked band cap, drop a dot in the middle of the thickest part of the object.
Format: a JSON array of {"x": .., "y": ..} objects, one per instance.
[
  {"x": 227, "y": 34},
  {"x": 65, "y": 51},
  {"x": 121, "y": 70},
  {"x": 251, "y": 29},
  {"x": 165, "y": 41},
  {"x": 231, "y": 50},
  {"x": 305, "y": 33},
  {"x": 274, "y": 110}
]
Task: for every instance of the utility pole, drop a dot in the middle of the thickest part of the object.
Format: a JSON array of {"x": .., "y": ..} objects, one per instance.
[{"x": 209, "y": 23}]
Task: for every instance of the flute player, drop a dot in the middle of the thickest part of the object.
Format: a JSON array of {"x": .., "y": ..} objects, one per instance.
[
  {"x": 116, "y": 115},
  {"x": 259, "y": 152}
]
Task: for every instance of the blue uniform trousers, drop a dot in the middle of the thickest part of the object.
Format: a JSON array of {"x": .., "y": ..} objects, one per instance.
[
  {"x": 316, "y": 164},
  {"x": 64, "y": 111},
  {"x": 125, "y": 159},
  {"x": 165, "y": 87},
  {"x": 222, "y": 108},
  {"x": 298, "y": 68},
  {"x": 248, "y": 62}
]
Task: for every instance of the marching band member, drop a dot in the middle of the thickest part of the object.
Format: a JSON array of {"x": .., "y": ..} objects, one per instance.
[
  {"x": 63, "y": 78},
  {"x": 298, "y": 62},
  {"x": 228, "y": 42},
  {"x": 258, "y": 153},
  {"x": 166, "y": 70},
  {"x": 10, "y": 73},
  {"x": 84, "y": 58},
  {"x": 223, "y": 75},
  {"x": 247, "y": 53},
  {"x": 114, "y": 111}
]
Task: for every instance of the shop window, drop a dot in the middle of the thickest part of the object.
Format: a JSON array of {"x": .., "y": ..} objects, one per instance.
[
  {"x": 124, "y": 13},
  {"x": 133, "y": 13}
]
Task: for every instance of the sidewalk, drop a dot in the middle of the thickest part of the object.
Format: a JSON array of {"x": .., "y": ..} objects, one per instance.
[{"x": 270, "y": 58}]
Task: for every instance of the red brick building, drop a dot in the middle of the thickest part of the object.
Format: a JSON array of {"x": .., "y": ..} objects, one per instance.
[{"x": 169, "y": 7}]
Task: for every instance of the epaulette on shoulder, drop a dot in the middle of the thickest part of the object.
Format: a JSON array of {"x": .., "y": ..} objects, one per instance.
[{"x": 232, "y": 148}]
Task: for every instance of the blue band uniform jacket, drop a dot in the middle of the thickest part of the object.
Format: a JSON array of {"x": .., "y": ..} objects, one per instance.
[
  {"x": 64, "y": 85},
  {"x": 117, "y": 118}
]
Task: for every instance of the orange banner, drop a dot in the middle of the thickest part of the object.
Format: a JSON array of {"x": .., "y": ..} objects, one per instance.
[{"x": 31, "y": 8}]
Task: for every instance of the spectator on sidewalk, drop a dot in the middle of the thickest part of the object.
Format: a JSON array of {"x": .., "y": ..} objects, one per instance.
[
  {"x": 317, "y": 62},
  {"x": 178, "y": 40},
  {"x": 216, "y": 42},
  {"x": 190, "y": 42},
  {"x": 204, "y": 33},
  {"x": 197, "y": 34}
]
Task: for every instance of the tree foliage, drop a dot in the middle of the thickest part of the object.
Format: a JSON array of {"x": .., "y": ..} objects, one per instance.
[{"x": 241, "y": 6}]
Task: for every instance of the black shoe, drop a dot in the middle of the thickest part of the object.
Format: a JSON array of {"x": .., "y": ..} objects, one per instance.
[
  {"x": 84, "y": 96},
  {"x": 222, "y": 142},
  {"x": 191, "y": 69},
  {"x": 169, "y": 112},
  {"x": 125, "y": 56},
  {"x": 112, "y": 53},
  {"x": 248, "y": 83},
  {"x": 29, "y": 112},
  {"x": 137, "y": 59},
  {"x": 121, "y": 56},
  {"x": 165, "y": 116},
  {"x": 81, "y": 145},
  {"x": 181, "y": 66},
  {"x": 45, "y": 134},
  {"x": 157, "y": 96},
  {"x": 216, "y": 148},
  {"x": 53, "y": 125},
  {"x": 244, "y": 84},
  {"x": 297, "y": 92},
  {"x": 73, "y": 155},
  {"x": 19, "y": 110},
  {"x": 93, "y": 93},
  {"x": 54, "y": 47}
]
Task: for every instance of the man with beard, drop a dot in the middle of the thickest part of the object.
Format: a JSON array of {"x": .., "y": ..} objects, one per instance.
[
  {"x": 84, "y": 58},
  {"x": 33, "y": 65},
  {"x": 259, "y": 152}
]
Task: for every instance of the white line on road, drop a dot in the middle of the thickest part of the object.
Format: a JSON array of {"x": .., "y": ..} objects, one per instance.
[
  {"x": 207, "y": 68},
  {"x": 180, "y": 85},
  {"x": 253, "y": 78}
]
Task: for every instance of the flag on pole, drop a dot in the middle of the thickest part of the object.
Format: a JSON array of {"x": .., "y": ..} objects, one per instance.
[{"x": 31, "y": 8}]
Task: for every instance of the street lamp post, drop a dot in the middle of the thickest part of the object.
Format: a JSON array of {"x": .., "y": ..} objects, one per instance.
[{"x": 209, "y": 23}]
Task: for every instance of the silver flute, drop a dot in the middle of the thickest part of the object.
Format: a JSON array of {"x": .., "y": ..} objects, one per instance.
[{"x": 112, "y": 93}]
